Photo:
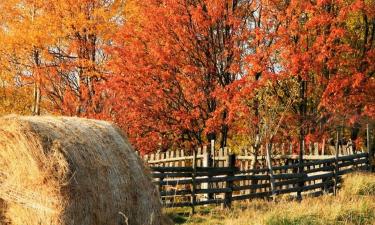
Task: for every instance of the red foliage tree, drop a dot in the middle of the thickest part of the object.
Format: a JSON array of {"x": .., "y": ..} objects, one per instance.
[
  {"x": 185, "y": 72},
  {"x": 176, "y": 71}
]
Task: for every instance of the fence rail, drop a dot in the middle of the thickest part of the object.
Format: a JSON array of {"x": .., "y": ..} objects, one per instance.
[{"x": 189, "y": 186}]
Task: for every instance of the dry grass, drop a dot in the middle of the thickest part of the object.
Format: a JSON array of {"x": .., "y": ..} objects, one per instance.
[
  {"x": 354, "y": 205},
  {"x": 68, "y": 171},
  {"x": 359, "y": 184}
]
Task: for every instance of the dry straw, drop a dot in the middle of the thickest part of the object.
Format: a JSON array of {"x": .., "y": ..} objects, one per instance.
[{"x": 71, "y": 171}]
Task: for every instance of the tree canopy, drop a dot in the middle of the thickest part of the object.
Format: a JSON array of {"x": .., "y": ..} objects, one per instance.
[{"x": 178, "y": 73}]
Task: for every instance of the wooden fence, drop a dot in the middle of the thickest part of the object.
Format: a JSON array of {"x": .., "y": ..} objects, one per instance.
[
  {"x": 211, "y": 157},
  {"x": 184, "y": 185}
]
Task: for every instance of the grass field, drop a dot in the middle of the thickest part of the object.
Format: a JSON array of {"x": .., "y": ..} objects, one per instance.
[{"x": 354, "y": 204}]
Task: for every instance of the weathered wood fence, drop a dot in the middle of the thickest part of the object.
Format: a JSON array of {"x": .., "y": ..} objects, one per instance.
[
  {"x": 211, "y": 157},
  {"x": 191, "y": 186},
  {"x": 212, "y": 176}
]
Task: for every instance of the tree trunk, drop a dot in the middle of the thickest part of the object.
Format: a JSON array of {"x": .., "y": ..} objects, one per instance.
[
  {"x": 224, "y": 132},
  {"x": 37, "y": 99},
  {"x": 37, "y": 88}
]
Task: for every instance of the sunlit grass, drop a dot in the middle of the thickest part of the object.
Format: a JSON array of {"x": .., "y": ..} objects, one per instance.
[{"x": 354, "y": 205}]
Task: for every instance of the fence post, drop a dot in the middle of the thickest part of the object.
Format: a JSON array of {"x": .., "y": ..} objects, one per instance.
[
  {"x": 248, "y": 164},
  {"x": 213, "y": 152},
  {"x": 182, "y": 154},
  {"x": 316, "y": 148},
  {"x": 161, "y": 179},
  {"x": 199, "y": 159},
  {"x": 269, "y": 164},
  {"x": 168, "y": 155},
  {"x": 177, "y": 162},
  {"x": 193, "y": 188},
  {"x": 336, "y": 162},
  {"x": 325, "y": 188},
  {"x": 231, "y": 159},
  {"x": 157, "y": 158},
  {"x": 369, "y": 147},
  {"x": 301, "y": 183},
  {"x": 220, "y": 161},
  {"x": 207, "y": 162}
]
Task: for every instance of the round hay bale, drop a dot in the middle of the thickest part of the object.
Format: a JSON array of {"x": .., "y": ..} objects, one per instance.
[{"x": 72, "y": 171}]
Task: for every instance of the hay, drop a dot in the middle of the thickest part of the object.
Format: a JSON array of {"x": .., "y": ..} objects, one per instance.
[
  {"x": 72, "y": 171},
  {"x": 2, "y": 211}
]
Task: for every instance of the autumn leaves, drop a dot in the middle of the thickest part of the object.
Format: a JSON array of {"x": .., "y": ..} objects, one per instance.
[
  {"x": 177, "y": 73},
  {"x": 56, "y": 50}
]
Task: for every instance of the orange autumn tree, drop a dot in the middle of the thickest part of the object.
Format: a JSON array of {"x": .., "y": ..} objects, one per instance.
[
  {"x": 178, "y": 63},
  {"x": 80, "y": 56},
  {"x": 59, "y": 49},
  {"x": 27, "y": 30},
  {"x": 352, "y": 85},
  {"x": 331, "y": 62},
  {"x": 190, "y": 71},
  {"x": 176, "y": 73},
  {"x": 323, "y": 51}
]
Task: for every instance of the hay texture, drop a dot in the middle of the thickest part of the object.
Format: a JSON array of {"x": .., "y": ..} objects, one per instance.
[{"x": 72, "y": 171}]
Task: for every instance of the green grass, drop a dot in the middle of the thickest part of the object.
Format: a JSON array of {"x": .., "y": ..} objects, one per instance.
[{"x": 354, "y": 205}]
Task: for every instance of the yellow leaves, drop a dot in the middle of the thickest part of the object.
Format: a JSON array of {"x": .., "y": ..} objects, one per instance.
[
  {"x": 27, "y": 23},
  {"x": 14, "y": 99},
  {"x": 132, "y": 10},
  {"x": 89, "y": 17},
  {"x": 356, "y": 12},
  {"x": 50, "y": 42}
]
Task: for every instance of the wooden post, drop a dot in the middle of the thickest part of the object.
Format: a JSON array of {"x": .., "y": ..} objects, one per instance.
[
  {"x": 168, "y": 155},
  {"x": 207, "y": 162},
  {"x": 300, "y": 169},
  {"x": 213, "y": 152},
  {"x": 336, "y": 162},
  {"x": 162, "y": 157},
  {"x": 193, "y": 188},
  {"x": 247, "y": 167},
  {"x": 269, "y": 165},
  {"x": 326, "y": 187},
  {"x": 199, "y": 159},
  {"x": 183, "y": 163},
  {"x": 160, "y": 187},
  {"x": 316, "y": 148},
  {"x": 177, "y": 162},
  {"x": 369, "y": 147},
  {"x": 225, "y": 153},
  {"x": 206, "y": 157},
  {"x": 241, "y": 169},
  {"x": 229, "y": 183},
  {"x": 221, "y": 163},
  {"x": 174, "y": 156},
  {"x": 157, "y": 157},
  {"x": 368, "y": 137}
]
